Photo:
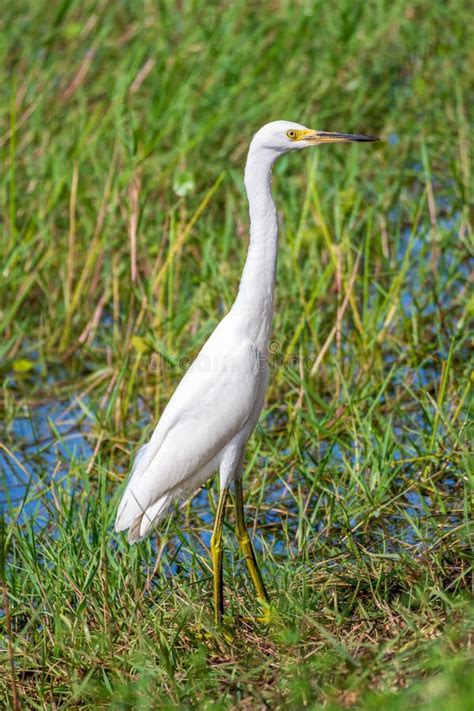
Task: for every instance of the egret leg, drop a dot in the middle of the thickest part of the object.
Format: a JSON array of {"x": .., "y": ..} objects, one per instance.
[
  {"x": 216, "y": 555},
  {"x": 246, "y": 544}
]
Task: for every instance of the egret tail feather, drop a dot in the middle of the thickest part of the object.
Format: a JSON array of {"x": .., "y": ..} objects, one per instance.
[
  {"x": 142, "y": 525},
  {"x": 129, "y": 508}
]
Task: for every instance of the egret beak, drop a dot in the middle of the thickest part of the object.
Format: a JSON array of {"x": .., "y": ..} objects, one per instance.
[{"x": 329, "y": 137}]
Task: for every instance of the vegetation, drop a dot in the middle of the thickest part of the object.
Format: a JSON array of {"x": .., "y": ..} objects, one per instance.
[{"x": 124, "y": 128}]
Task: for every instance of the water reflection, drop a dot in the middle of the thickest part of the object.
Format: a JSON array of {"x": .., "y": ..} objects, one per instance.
[
  {"x": 39, "y": 448},
  {"x": 44, "y": 442}
]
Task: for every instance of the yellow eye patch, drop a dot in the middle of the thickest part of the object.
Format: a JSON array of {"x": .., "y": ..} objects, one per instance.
[{"x": 296, "y": 134}]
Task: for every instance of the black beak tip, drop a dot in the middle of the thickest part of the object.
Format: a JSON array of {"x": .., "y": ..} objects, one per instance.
[
  {"x": 350, "y": 137},
  {"x": 366, "y": 139}
]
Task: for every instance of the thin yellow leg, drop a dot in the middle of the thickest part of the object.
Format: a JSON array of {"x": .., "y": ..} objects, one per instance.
[
  {"x": 216, "y": 555},
  {"x": 246, "y": 544}
]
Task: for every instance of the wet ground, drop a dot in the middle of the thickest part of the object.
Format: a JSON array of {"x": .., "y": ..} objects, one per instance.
[{"x": 43, "y": 439}]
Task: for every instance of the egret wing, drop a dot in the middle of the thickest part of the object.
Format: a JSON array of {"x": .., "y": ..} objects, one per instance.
[{"x": 211, "y": 404}]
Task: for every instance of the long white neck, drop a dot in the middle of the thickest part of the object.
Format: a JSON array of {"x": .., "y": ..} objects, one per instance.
[{"x": 255, "y": 298}]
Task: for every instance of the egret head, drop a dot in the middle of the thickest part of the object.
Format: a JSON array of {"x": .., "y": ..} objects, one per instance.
[{"x": 283, "y": 136}]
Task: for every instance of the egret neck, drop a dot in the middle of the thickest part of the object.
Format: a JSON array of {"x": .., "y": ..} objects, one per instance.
[{"x": 254, "y": 301}]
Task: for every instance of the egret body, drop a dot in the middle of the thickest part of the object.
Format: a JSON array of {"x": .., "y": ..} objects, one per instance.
[{"x": 215, "y": 408}]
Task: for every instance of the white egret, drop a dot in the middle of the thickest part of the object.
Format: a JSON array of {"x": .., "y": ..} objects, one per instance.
[{"x": 205, "y": 426}]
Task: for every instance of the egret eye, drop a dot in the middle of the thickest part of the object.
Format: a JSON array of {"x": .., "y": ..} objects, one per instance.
[{"x": 291, "y": 133}]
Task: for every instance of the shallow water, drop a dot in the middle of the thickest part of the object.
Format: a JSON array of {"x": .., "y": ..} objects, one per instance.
[
  {"x": 44, "y": 441},
  {"x": 53, "y": 436},
  {"x": 39, "y": 447},
  {"x": 45, "y": 462}
]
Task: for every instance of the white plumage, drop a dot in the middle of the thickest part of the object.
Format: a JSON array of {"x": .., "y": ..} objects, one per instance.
[
  {"x": 203, "y": 429},
  {"x": 206, "y": 424}
]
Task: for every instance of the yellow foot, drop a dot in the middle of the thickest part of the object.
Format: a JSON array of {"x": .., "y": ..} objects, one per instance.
[
  {"x": 221, "y": 631},
  {"x": 269, "y": 616}
]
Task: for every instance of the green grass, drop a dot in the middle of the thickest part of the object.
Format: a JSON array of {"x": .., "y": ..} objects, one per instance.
[{"x": 358, "y": 484}]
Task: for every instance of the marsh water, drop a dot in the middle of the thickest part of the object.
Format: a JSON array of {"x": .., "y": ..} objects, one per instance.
[{"x": 48, "y": 438}]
